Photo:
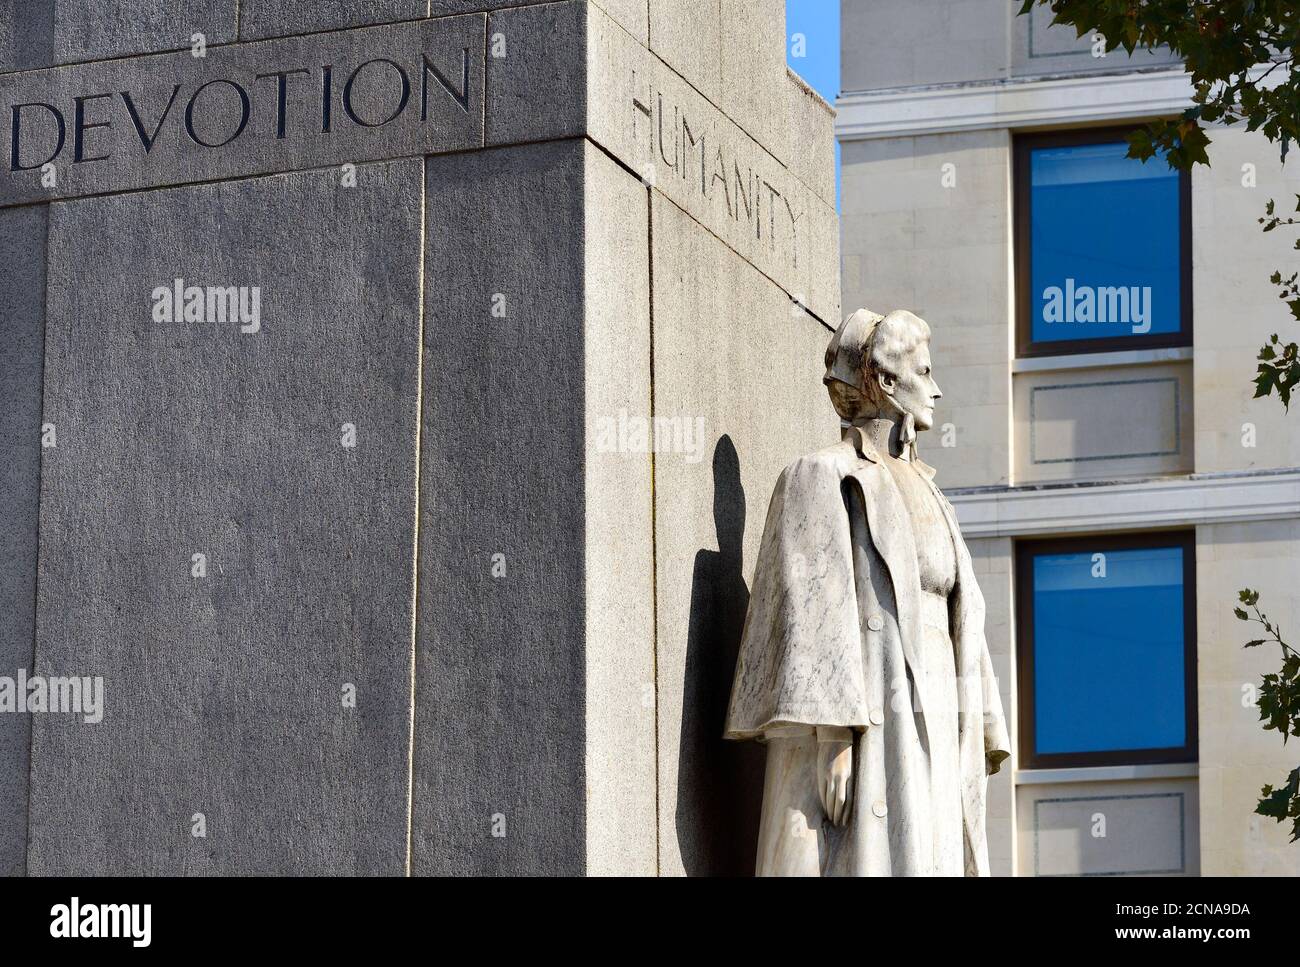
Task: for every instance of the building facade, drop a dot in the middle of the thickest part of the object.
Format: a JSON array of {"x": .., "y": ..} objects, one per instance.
[{"x": 1095, "y": 325}]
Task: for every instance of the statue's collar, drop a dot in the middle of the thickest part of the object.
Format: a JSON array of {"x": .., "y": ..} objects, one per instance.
[{"x": 867, "y": 450}]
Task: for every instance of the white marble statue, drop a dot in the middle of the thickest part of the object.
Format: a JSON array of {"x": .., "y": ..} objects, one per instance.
[{"x": 863, "y": 664}]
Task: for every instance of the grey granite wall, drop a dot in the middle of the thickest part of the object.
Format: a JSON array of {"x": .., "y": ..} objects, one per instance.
[
  {"x": 22, "y": 331},
  {"x": 224, "y": 690},
  {"x": 500, "y": 675}
]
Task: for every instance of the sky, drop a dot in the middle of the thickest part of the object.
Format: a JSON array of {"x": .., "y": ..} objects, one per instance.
[{"x": 812, "y": 50}]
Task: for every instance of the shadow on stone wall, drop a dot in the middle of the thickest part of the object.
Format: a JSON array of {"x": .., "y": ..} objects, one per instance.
[{"x": 720, "y": 783}]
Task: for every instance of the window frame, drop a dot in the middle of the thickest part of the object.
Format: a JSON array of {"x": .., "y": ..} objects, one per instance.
[
  {"x": 1025, "y": 552},
  {"x": 1022, "y": 145}
]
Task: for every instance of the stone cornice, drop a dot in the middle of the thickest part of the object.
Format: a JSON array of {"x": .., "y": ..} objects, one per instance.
[
  {"x": 863, "y": 115},
  {"x": 1183, "y": 501}
]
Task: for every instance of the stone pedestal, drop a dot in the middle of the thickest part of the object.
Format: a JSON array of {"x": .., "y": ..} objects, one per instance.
[{"x": 335, "y": 348}]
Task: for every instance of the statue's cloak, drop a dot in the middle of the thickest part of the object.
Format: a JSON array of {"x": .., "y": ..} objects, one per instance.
[{"x": 830, "y": 640}]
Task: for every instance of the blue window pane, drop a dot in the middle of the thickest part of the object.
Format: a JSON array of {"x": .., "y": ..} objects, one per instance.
[
  {"x": 1108, "y": 651},
  {"x": 1105, "y": 251}
]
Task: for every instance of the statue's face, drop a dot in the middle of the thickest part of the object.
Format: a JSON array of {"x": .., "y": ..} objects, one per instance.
[{"x": 913, "y": 388}]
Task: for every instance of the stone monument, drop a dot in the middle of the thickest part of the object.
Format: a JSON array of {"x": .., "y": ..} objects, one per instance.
[
  {"x": 863, "y": 664},
  {"x": 384, "y": 385}
]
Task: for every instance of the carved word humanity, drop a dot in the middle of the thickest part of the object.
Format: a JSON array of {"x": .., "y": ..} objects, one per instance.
[{"x": 698, "y": 156}]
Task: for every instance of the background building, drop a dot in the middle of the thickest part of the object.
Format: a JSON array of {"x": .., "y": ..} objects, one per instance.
[{"x": 1114, "y": 478}]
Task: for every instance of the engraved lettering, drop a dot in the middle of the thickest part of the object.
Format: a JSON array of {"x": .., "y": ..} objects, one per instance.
[
  {"x": 771, "y": 215},
  {"x": 80, "y": 127},
  {"x": 741, "y": 194},
  {"x": 720, "y": 174},
  {"x": 671, "y": 164},
  {"x": 461, "y": 97},
  {"x": 641, "y": 107},
  {"x": 794, "y": 232},
  {"x": 245, "y": 108},
  {"x": 282, "y": 96},
  {"x": 327, "y": 97},
  {"x": 148, "y": 139},
  {"x": 401, "y": 101},
  {"x": 264, "y": 107},
  {"x": 15, "y": 163},
  {"x": 689, "y": 142}
]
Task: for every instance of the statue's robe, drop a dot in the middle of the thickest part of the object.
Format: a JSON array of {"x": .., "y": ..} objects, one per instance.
[{"x": 830, "y": 641}]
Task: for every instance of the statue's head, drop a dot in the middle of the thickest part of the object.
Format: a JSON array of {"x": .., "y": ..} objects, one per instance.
[{"x": 879, "y": 366}]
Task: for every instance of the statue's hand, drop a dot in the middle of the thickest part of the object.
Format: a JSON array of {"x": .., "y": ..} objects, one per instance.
[{"x": 835, "y": 772}]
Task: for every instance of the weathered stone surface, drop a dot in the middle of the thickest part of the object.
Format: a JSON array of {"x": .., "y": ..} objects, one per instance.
[
  {"x": 630, "y": 14},
  {"x": 26, "y": 35},
  {"x": 752, "y": 65},
  {"x": 543, "y": 65},
  {"x": 500, "y": 706},
  {"x": 22, "y": 332},
  {"x": 99, "y": 29},
  {"x": 812, "y": 138},
  {"x": 182, "y": 118},
  {"x": 276, "y": 18},
  {"x": 619, "y": 565},
  {"x": 42, "y": 33},
  {"x": 224, "y": 693},
  {"x": 688, "y": 37},
  {"x": 709, "y": 518}
]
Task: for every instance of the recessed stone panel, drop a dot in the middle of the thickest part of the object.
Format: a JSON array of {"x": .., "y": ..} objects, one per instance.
[
  {"x": 1123, "y": 828},
  {"x": 1039, "y": 47},
  {"x": 227, "y": 527},
  {"x": 287, "y": 104},
  {"x": 1103, "y": 422},
  {"x": 500, "y": 703}
]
